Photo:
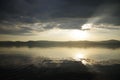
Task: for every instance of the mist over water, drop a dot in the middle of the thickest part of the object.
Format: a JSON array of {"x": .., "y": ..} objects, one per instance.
[{"x": 59, "y": 62}]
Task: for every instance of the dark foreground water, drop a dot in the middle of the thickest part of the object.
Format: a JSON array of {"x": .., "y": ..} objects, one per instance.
[{"x": 58, "y": 63}]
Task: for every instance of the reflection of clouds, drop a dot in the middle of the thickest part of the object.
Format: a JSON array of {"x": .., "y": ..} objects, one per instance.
[
  {"x": 14, "y": 60},
  {"x": 108, "y": 62},
  {"x": 24, "y": 60},
  {"x": 36, "y": 56},
  {"x": 42, "y": 66}
]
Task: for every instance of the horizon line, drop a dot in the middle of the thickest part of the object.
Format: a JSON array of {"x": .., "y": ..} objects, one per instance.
[{"x": 58, "y": 41}]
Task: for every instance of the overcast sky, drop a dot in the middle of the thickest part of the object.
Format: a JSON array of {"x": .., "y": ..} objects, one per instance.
[{"x": 29, "y": 17}]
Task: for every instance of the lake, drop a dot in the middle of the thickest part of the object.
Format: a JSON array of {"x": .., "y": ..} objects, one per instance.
[{"x": 24, "y": 63}]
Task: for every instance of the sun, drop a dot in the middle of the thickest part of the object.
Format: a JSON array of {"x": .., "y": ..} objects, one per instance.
[{"x": 79, "y": 34}]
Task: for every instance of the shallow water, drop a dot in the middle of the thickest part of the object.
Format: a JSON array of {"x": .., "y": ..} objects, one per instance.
[
  {"x": 104, "y": 63},
  {"x": 96, "y": 55}
]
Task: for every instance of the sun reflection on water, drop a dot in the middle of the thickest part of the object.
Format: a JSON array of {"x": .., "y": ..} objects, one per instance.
[
  {"x": 78, "y": 57},
  {"x": 81, "y": 57}
]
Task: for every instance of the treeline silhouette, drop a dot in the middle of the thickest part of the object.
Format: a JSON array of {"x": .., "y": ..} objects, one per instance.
[{"x": 107, "y": 43}]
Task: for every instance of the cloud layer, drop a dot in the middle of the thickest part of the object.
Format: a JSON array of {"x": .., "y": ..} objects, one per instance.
[{"x": 26, "y": 16}]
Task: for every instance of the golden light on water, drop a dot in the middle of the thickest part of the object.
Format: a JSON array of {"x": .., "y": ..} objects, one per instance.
[
  {"x": 81, "y": 57},
  {"x": 78, "y": 56}
]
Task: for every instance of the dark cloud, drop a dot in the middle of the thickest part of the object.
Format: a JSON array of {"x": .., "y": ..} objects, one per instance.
[
  {"x": 49, "y": 8},
  {"x": 14, "y": 29},
  {"x": 19, "y": 28},
  {"x": 26, "y": 12},
  {"x": 110, "y": 20}
]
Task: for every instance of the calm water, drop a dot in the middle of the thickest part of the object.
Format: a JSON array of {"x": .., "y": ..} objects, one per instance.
[
  {"x": 98, "y": 60},
  {"x": 95, "y": 55}
]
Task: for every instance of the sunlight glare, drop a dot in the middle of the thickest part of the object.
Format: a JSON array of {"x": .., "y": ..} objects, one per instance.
[
  {"x": 87, "y": 26},
  {"x": 79, "y": 35},
  {"x": 78, "y": 57},
  {"x": 81, "y": 57}
]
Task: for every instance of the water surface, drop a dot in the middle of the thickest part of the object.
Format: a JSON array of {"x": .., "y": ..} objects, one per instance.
[{"x": 95, "y": 63}]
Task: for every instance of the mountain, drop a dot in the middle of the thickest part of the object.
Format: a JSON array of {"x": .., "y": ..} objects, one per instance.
[{"x": 107, "y": 43}]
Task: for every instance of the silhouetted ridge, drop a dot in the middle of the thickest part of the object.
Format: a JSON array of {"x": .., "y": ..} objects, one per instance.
[{"x": 108, "y": 43}]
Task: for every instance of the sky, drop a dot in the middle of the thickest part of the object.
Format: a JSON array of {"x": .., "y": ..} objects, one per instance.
[{"x": 59, "y": 20}]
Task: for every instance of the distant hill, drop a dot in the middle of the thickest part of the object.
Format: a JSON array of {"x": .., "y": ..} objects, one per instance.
[{"x": 107, "y": 43}]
